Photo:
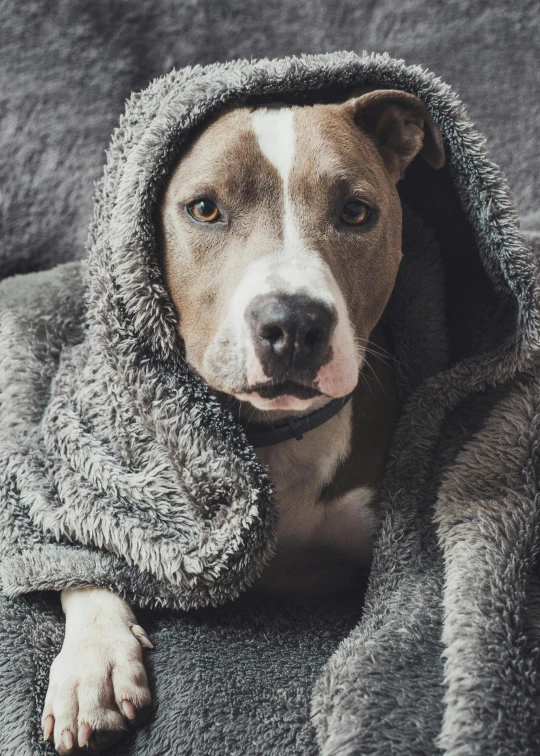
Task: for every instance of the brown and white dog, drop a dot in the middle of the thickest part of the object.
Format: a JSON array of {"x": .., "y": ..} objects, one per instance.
[{"x": 281, "y": 236}]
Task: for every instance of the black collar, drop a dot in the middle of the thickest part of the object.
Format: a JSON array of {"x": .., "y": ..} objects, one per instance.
[{"x": 269, "y": 433}]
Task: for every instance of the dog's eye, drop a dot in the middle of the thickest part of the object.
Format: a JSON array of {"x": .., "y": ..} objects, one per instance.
[
  {"x": 204, "y": 210},
  {"x": 355, "y": 213}
]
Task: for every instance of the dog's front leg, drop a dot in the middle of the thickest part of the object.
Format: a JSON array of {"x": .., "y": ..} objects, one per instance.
[{"x": 97, "y": 683}]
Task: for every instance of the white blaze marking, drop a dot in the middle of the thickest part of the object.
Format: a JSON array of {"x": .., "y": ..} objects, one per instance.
[{"x": 274, "y": 129}]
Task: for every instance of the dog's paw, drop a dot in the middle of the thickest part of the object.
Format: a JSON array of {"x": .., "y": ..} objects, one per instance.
[{"x": 97, "y": 687}]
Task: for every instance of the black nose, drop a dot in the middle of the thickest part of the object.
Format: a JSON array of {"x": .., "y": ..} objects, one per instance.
[{"x": 291, "y": 334}]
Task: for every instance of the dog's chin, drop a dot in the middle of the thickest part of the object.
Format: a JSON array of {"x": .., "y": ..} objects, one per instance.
[
  {"x": 281, "y": 402},
  {"x": 288, "y": 395}
]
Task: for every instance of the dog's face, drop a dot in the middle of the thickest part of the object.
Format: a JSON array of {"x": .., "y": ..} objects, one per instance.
[{"x": 282, "y": 240}]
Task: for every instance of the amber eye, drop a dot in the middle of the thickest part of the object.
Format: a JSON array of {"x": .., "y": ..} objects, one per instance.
[
  {"x": 204, "y": 210},
  {"x": 355, "y": 213}
]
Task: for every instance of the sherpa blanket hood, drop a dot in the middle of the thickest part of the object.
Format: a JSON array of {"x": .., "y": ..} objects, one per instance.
[{"x": 119, "y": 468}]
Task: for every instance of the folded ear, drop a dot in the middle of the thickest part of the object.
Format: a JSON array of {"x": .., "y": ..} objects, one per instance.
[{"x": 402, "y": 128}]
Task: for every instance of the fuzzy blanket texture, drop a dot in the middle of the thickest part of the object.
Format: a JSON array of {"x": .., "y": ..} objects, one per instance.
[{"x": 118, "y": 468}]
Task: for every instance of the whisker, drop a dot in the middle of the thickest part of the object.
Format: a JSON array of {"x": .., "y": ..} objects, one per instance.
[
  {"x": 378, "y": 346},
  {"x": 372, "y": 349},
  {"x": 365, "y": 381},
  {"x": 375, "y": 376},
  {"x": 386, "y": 357}
]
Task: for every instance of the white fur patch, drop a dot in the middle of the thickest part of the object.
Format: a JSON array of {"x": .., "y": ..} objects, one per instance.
[
  {"x": 350, "y": 523},
  {"x": 274, "y": 129},
  {"x": 99, "y": 666}
]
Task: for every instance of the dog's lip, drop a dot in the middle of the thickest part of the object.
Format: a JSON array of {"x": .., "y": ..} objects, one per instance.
[{"x": 271, "y": 390}]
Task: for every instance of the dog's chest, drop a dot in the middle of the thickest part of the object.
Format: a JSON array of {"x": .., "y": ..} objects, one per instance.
[
  {"x": 301, "y": 474},
  {"x": 319, "y": 536}
]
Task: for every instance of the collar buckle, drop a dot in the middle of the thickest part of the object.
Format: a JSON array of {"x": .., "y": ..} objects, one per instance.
[{"x": 292, "y": 422}]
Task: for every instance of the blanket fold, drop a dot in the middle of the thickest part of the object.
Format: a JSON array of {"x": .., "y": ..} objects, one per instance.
[{"x": 119, "y": 468}]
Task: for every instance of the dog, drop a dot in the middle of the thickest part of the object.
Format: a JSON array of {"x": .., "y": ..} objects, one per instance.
[{"x": 281, "y": 242}]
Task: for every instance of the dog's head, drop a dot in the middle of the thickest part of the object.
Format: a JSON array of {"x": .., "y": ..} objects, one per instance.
[{"x": 282, "y": 240}]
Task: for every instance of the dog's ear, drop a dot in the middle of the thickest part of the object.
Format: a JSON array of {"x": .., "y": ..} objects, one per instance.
[{"x": 401, "y": 126}]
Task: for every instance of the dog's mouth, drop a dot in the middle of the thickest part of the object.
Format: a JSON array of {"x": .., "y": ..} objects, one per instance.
[{"x": 284, "y": 388}]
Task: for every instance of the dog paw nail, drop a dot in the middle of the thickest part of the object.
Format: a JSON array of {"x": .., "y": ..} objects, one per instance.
[
  {"x": 48, "y": 727},
  {"x": 128, "y": 710},
  {"x": 68, "y": 741},
  {"x": 141, "y": 636},
  {"x": 85, "y": 730}
]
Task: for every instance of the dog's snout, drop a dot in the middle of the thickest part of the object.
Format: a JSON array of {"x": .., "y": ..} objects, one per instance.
[{"x": 291, "y": 334}]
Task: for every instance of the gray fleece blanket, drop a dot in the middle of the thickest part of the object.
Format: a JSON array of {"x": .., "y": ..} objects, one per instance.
[{"x": 118, "y": 468}]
